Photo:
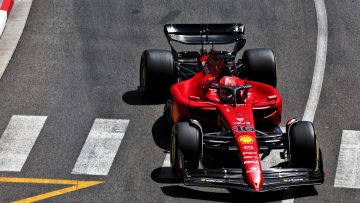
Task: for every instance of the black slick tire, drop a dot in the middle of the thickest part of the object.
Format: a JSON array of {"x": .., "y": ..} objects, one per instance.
[
  {"x": 304, "y": 152},
  {"x": 185, "y": 148},
  {"x": 260, "y": 65},
  {"x": 157, "y": 74}
]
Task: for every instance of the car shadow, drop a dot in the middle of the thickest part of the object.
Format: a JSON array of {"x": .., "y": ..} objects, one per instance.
[
  {"x": 134, "y": 97},
  {"x": 161, "y": 133},
  {"x": 233, "y": 195},
  {"x": 164, "y": 175}
]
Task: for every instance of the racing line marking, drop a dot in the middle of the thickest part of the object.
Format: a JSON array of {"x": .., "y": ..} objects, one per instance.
[
  {"x": 74, "y": 185},
  {"x": 318, "y": 75},
  {"x": 320, "y": 61},
  {"x": 17, "y": 141},
  {"x": 101, "y": 146},
  {"x": 347, "y": 173}
]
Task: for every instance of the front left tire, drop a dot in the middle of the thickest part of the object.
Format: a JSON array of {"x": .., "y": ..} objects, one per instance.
[
  {"x": 157, "y": 74},
  {"x": 185, "y": 148},
  {"x": 260, "y": 65}
]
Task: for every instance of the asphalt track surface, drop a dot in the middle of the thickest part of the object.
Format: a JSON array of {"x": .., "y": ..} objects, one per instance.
[{"x": 78, "y": 60}]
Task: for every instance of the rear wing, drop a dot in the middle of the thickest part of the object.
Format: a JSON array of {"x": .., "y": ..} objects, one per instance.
[{"x": 205, "y": 33}]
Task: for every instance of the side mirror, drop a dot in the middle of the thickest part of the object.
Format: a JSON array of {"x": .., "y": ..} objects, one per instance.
[{"x": 238, "y": 46}]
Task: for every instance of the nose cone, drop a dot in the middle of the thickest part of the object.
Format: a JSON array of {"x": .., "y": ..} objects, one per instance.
[{"x": 255, "y": 181}]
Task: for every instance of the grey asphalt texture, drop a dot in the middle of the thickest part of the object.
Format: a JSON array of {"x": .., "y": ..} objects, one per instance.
[{"x": 78, "y": 60}]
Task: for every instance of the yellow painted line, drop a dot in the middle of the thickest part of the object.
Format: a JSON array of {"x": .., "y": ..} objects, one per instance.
[{"x": 75, "y": 185}]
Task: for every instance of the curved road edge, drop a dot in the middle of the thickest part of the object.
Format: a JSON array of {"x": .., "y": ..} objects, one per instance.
[
  {"x": 14, "y": 27},
  {"x": 5, "y": 9}
]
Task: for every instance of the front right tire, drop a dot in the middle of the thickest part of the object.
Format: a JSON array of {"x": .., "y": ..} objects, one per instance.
[{"x": 303, "y": 146}]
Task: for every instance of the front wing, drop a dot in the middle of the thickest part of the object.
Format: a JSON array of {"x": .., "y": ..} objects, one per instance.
[{"x": 274, "y": 178}]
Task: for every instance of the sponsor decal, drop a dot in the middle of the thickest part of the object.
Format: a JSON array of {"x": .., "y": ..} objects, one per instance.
[
  {"x": 210, "y": 180},
  {"x": 238, "y": 128},
  {"x": 241, "y": 121},
  {"x": 246, "y": 139},
  {"x": 248, "y": 128},
  {"x": 246, "y": 153},
  {"x": 248, "y": 147},
  {"x": 251, "y": 162},
  {"x": 251, "y": 157},
  {"x": 253, "y": 170},
  {"x": 292, "y": 180}
]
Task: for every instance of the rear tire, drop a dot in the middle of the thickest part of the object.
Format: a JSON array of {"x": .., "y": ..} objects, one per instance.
[
  {"x": 304, "y": 152},
  {"x": 260, "y": 65},
  {"x": 156, "y": 74},
  {"x": 185, "y": 148}
]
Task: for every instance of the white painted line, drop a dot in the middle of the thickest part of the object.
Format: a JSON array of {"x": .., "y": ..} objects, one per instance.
[
  {"x": 318, "y": 75},
  {"x": 167, "y": 162},
  {"x": 347, "y": 172},
  {"x": 17, "y": 141},
  {"x": 3, "y": 18},
  {"x": 101, "y": 147},
  {"x": 320, "y": 61}
]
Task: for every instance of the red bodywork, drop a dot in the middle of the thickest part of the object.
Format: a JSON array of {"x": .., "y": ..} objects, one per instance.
[{"x": 191, "y": 99}]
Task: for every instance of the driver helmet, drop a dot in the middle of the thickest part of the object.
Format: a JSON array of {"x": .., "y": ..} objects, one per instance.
[{"x": 231, "y": 81}]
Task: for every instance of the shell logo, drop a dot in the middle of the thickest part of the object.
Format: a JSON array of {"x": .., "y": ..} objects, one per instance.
[{"x": 246, "y": 139}]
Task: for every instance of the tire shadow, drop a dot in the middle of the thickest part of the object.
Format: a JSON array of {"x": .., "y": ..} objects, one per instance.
[
  {"x": 161, "y": 133},
  {"x": 134, "y": 97},
  {"x": 164, "y": 175}
]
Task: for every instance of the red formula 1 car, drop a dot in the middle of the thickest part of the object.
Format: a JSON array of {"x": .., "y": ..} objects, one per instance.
[{"x": 226, "y": 114}]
